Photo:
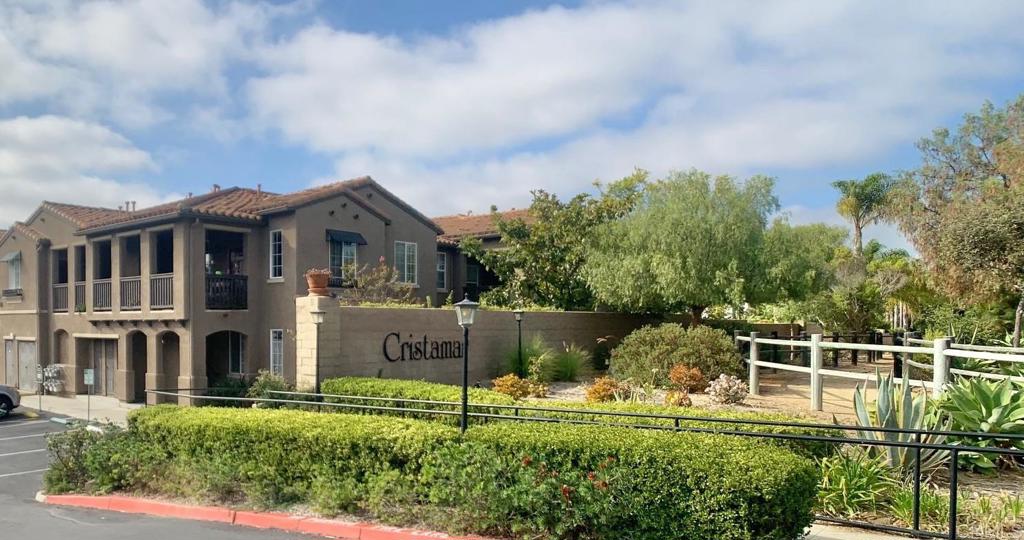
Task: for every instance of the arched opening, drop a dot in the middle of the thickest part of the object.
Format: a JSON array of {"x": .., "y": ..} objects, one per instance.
[
  {"x": 137, "y": 361},
  {"x": 61, "y": 347},
  {"x": 169, "y": 349},
  {"x": 225, "y": 356}
]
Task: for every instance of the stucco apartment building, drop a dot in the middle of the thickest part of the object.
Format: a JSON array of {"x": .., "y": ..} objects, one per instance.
[{"x": 186, "y": 293}]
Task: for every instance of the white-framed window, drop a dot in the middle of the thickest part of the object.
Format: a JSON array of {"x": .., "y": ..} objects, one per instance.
[
  {"x": 405, "y": 261},
  {"x": 14, "y": 273},
  {"x": 277, "y": 352},
  {"x": 472, "y": 274},
  {"x": 342, "y": 261},
  {"x": 442, "y": 270},
  {"x": 276, "y": 254},
  {"x": 236, "y": 353}
]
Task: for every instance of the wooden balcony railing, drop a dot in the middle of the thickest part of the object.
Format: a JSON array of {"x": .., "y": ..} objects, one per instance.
[
  {"x": 60, "y": 298},
  {"x": 131, "y": 293},
  {"x": 227, "y": 292},
  {"x": 101, "y": 294},
  {"x": 80, "y": 296},
  {"x": 161, "y": 291}
]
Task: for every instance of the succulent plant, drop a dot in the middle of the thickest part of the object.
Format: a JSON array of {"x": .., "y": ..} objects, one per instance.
[{"x": 897, "y": 407}]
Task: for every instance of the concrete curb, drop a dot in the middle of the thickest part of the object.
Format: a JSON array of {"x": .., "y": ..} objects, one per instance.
[{"x": 345, "y": 530}]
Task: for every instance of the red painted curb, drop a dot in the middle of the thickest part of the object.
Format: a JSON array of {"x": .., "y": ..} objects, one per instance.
[{"x": 344, "y": 530}]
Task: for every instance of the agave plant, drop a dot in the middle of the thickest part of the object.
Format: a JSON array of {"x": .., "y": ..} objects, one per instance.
[
  {"x": 984, "y": 406},
  {"x": 897, "y": 407}
]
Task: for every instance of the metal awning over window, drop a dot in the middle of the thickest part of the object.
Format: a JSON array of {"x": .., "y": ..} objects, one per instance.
[
  {"x": 345, "y": 237},
  {"x": 15, "y": 255}
]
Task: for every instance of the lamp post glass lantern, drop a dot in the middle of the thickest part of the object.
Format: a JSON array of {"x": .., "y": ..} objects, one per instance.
[
  {"x": 318, "y": 319},
  {"x": 465, "y": 312}
]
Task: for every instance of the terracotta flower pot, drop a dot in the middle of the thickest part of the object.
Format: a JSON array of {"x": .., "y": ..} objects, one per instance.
[{"x": 317, "y": 283}]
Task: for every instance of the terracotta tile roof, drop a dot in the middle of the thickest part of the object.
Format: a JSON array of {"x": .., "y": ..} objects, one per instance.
[
  {"x": 480, "y": 225},
  {"x": 84, "y": 216},
  {"x": 234, "y": 202},
  {"x": 21, "y": 228}
]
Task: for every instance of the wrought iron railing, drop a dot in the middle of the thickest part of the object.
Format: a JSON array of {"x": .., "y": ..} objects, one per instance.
[
  {"x": 60, "y": 298},
  {"x": 131, "y": 293},
  {"x": 161, "y": 291},
  {"x": 80, "y": 296},
  {"x": 101, "y": 294},
  {"x": 227, "y": 292}
]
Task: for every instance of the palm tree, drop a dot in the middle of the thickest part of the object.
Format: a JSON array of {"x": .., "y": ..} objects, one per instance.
[{"x": 864, "y": 202}]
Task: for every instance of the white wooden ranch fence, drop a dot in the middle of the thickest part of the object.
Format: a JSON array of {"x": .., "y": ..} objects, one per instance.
[{"x": 941, "y": 351}]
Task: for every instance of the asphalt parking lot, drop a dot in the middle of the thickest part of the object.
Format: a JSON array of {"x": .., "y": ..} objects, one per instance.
[{"x": 23, "y": 459}]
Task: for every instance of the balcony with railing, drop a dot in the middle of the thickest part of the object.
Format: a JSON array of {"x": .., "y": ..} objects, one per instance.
[
  {"x": 131, "y": 293},
  {"x": 227, "y": 292},
  {"x": 161, "y": 291},
  {"x": 101, "y": 295},
  {"x": 80, "y": 296},
  {"x": 60, "y": 298}
]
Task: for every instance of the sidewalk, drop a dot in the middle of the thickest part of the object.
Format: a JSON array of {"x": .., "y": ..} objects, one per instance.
[
  {"x": 95, "y": 408},
  {"x": 833, "y": 532}
]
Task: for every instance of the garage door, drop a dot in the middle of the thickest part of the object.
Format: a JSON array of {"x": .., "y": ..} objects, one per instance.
[
  {"x": 10, "y": 363},
  {"x": 27, "y": 366}
]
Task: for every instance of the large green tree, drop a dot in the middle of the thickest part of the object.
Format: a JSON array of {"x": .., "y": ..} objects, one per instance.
[
  {"x": 541, "y": 259},
  {"x": 695, "y": 241},
  {"x": 864, "y": 202},
  {"x": 959, "y": 207}
]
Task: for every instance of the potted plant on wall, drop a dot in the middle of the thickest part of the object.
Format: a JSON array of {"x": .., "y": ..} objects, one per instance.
[{"x": 317, "y": 280}]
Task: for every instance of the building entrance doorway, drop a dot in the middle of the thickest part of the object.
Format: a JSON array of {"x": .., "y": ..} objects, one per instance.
[
  {"x": 104, "y": 364},
  {"x": 28, "y": 363}
]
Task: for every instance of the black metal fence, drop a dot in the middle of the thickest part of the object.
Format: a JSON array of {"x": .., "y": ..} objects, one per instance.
[{"x": 907, "y": 438}]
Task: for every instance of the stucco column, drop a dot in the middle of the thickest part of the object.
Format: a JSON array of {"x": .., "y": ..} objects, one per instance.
[
  {"x": 154, "y": 367},
  {"x": 124, "y": 377},
  {"x": 186, "y": 360},
  {"x": 115, "y": 278},
  {"x": 306, "y": 347},
  {"x": 145, "y": 260}
]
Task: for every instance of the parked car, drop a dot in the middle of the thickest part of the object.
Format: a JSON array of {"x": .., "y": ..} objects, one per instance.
[{"x": 10, "y": 399}]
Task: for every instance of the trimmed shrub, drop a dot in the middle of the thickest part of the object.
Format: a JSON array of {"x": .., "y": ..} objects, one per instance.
[
  {"x": 264, "y": 386},
  {"x": 579, "y": 411},
  {"x": 605, "y": 482},
  {"x": 678, "y": 398},
  {"x": 535, "y": 480},
  {"x": 282, "y": 456},
  {"x": 405, "y": 389},
  {"x": 648, "y": 354}
]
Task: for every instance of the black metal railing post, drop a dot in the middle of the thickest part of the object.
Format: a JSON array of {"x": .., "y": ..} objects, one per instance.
[
  {"x": 917, "y": 484},
  {"x": 954, "y": 469}
]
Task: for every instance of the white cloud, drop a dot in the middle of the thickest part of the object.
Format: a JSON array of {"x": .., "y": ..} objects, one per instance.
[
  {"x": 58, "y": 158},
  {"x": 118, "y": 60}
]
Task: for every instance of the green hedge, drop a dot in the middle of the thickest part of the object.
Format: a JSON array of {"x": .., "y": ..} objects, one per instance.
[
  {"x": 810, "y": 448},
  {"x": 537, "y": 481},
  {"x": 268, "y": 457},
  {"x": 607, "y": 482},
  {"x": 405, "y": 389}
]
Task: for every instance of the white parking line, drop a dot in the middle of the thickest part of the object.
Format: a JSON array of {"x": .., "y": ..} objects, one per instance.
[
  {"x": 22, "y": 452},
  {"x": 22, "y": 423},
  {"x": 21, "y": 473},
  {"x": 24, "y": 436}
]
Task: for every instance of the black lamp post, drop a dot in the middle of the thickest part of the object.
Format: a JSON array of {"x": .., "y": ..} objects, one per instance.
[
  {"x": 465, "y": 311},
  {"x": 519, "y": 325},
  {"x": 318, "y": 319}
]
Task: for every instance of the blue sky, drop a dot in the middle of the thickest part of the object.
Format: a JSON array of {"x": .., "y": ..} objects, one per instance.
[{"x": 459, "y": 105}]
